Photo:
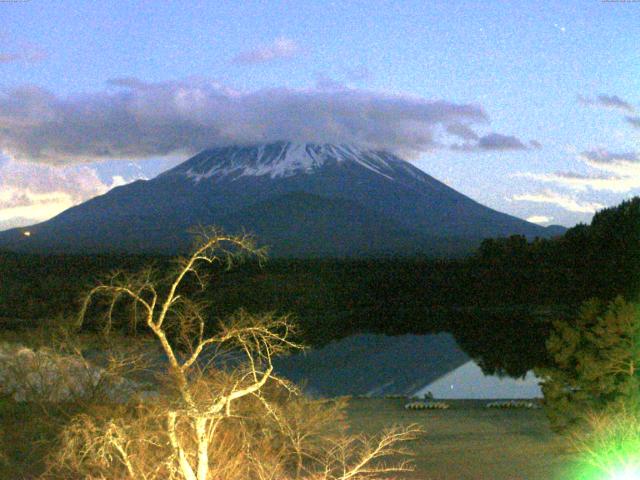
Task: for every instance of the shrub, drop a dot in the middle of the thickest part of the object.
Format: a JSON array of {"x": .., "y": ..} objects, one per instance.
[{"x": 54, "y": 375}]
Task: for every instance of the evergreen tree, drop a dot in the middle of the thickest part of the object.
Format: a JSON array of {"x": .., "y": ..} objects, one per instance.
[{"x": 596, "y": 362}]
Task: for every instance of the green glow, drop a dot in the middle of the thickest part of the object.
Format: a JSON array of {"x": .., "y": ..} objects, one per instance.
[
  {"x": 609, "y": 449},
  {"x": 628, "y": 473},
  {"x": 606, "y": 472}
]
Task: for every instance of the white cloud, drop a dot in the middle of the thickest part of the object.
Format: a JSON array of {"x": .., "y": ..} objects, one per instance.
[
  {"x": 539, "y": 219},
  {"x": 625, "y": 164},
  {"x": 280, "y": 48},
  {"x": 14, "y": 222},
  {"x": 607, "y": 172},
  {"x": 35, "y": 206},
  {"x": 118, "y": 181},
  {"x": 618, "y": 173},
  {"x": 32, "y": 193},
  {"x": 566, "y": 202},
  {"x": 578, "y": 182}
]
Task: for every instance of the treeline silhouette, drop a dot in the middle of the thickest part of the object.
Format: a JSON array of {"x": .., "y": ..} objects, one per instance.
[{"x": 498, "y": 303}]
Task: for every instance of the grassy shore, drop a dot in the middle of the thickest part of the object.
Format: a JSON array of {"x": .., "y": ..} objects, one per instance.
[{"x": 471, "y": 442}]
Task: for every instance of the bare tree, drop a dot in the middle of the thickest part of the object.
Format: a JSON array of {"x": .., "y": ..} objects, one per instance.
[{"x": 220, "y": 411}]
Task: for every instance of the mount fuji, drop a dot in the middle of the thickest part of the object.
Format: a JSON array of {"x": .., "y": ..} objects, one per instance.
[{"x": 302, "y": 200}]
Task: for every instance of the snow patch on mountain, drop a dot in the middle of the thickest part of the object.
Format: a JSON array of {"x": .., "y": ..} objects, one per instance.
[{"x": 285, "y": 159}]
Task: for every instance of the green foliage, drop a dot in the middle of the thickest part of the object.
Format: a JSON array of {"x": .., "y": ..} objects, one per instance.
[
  {"x": 599, "y": 260},
  {"x": 596, "y": 362},
  {"x": 614, "y": 236}
]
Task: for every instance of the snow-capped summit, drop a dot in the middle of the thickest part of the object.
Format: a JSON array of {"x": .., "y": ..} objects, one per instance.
[
  {"x": 300, "y": 199},
  {"x": 282, "y": 159}
]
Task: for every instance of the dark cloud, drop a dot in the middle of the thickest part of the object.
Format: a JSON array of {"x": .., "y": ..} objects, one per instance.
[
  {"x": 607, "y": 101},
  {"x": 280, "y": 48},
  {"x": 535, "y": 144},
  {"x": 15, "y": 199},
  {"x": 358, "y": 74},
  {"x": 497, "y": 141},
  {"x": 613, "y": 101},
  {"x": 635, "y": 121},
  {"x": 325, "y": 82},
  {"x": 25, "y": 53},
  {"x": 462, "y": 131},
  {"x": 464, "y": 147},
  {"x": 9, "y": 57},
  {"x": 605, "y": 157},
  {"x": 490, "y": 142},
  {"x": 136, "y": 119}
]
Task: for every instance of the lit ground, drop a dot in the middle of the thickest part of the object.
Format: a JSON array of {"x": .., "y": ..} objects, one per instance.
[
  {"x": 470, "y": 442},
  {"x": 467, "y": 442}
]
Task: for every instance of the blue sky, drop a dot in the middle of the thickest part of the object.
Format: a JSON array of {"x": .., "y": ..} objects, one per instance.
[{"x": 543, "y": 95}]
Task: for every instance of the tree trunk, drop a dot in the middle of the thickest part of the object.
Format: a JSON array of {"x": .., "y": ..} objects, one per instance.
[
  {"x": 185, "y": 468},
  {"x": 203, "y": 450}
]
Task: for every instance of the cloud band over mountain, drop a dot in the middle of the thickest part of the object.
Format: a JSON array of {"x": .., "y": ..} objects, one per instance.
[{"x": 135, "y": 119}]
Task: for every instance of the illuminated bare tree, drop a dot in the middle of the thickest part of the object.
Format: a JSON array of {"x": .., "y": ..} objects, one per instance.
[{"x": 220, "y": 412}]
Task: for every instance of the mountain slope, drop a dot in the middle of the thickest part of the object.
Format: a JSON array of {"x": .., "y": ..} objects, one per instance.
[
  {"x": 303, "y": 225},
  {"x": 301, "y": 199}
]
